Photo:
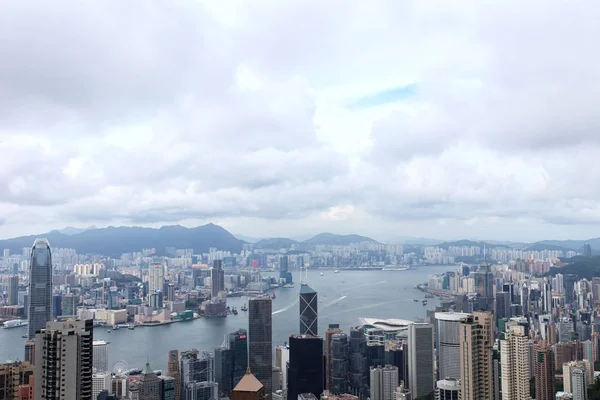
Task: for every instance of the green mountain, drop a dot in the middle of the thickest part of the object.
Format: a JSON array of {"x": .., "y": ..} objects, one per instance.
[{"x": 275, "y": 243}]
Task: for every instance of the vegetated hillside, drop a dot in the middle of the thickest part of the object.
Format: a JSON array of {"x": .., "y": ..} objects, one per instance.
[
  {"x": 539, "y": 246},
  {"x": 337, "y": 240},
  {"x": 275, "y": 243},
  {"x": 575, "y": 245},
  {"x": 470, "y": 243},
  {"x": 114, "y": 241},
  {"x": 584, "y": 268}
]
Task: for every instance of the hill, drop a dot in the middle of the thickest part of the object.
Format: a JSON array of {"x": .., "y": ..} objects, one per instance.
[
  {"x": 337, "y": 240},
  {"x": 114, "y": 241},
  {"x": 275, "y": 243},
  {"x": 470, "y": 243},
  {"x": 539, "y": 246},
  {"x": 583, "y": 267}
]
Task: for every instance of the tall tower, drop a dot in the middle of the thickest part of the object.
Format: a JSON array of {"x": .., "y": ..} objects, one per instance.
[
  {"x": 13, "y": 290},
  {"x": 476, "y": 345},
  {"x": 329, "y": 332},
  {"x": 260, "y": 333},
  {"x": 156, "y": 277},
  {"x": 383, "y": 382},
  {"x": 238, "y": 343},
  {"x": 100, "y": 351},
  {"x": 306, "y": 366},
  {"x": 359, "y": 365},
  {"x": 173, "y": 371},
  {"x": 448, "y": 343},
  {"x": 545, "y": 383},
  {"x": 447, "y": 389},
  {"x": 420, "y": 359},
  {"x": 63, "y": 354},
  {"x": 338, "y": 361},
  {"x": 514, "y": 353},
  {"x": 40, "y": 287},
  {"x": 217, "y": 277},
  {"x": 308, "y": 311}
]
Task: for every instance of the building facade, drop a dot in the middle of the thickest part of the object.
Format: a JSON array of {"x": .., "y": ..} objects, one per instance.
[
  {"x": 476, "y": 361},
  {"x": 308, "y": 311},
  {"x": 40, "y": 287},
  {"x": 448, "y": 343},
  {"x": 306, "y": 371},
  {"x": 545, "y": 383},
  {"x": 515, "y": 364},
  {"x": 260, "y": 331},
  {"x": 420, "y": 359}
]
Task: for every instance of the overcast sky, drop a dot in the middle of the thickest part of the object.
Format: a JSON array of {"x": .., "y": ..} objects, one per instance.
[{"x": 461, "y": 119}]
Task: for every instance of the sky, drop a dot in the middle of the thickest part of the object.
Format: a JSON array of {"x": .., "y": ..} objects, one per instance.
[{"x": 463, "y": 119}]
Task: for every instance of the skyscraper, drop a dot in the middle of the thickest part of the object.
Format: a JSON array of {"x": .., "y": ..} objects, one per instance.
[
  {"x": 40, "y": 287},
  {"x": 420, "y": 359},
  {"x": 100, "y": 359},
  {"x": 545, "y": 383},
  {"x": 579, "y": 384},
  {"x": 249, "y": 388},
  {"x": 308, "y": 311},
  {"x": 217, "y": 277},
  {"x": 156, "y": 277},
  {"x": 359, "y": 367},
  {"x": 514, "y": 354},
  {"x": 64, "y": 353},
  {"x": 15, "y": 378},
  {"x": 306, "y": 366},
  {"x": 198, "y": 376},
  {"x": 260, "y": 340},
  {"x": 383, "y": 382},
  {"x": 150, "y": 385},
  {"x": 329, "y": 332},
  {"x": 238, "y": 343},
  {"x": 339, "y": 363},
  {"x": 224, "y": 370},
  {"x": 448, "y": 389},
  {"x": 13, "y": 290},
  {"x": 282, "y": 358},
  {"x": 448, "y": 343},
  {"x": 173, "y": 371},
  {"x": 475, "y": 361}
]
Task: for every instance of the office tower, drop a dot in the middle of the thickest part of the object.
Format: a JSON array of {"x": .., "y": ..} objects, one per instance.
[
  {"x": 64, "y": 354},
  {"x": 282, "y": 358},
  {"x": 569, "y": 285},
  {"x": 150, "y": 385},
  {"x": 375, "y": 354},
  {"x": 306, "y": 366},
  {"x": 260, "y": 340},
  {"x": 420, "y": 359},
  {"x": 329, "y": 332},
  {"x": 68, "y": 305},
  {"x": 484, "y": 286},
  {"x": 170, "y": 292},
  {"x": 579, "y": 384},
  {"x": 545, "y": 384},
  {"x": 475, "y": 360},
  {"x": 167, "y": 387},
  {"x": 448, "y": 343},
  {"x": 284, "y": 273},
  {"x": 383, "y": 382},
  {"x": 40, "y": 287},
  {"x": 100, "y": 360},
  {"x": 249, "y": 388},
  {"x": 447, "y": 389},
  {"x": 101, "y": 381},
  {"x": 14, "y": 379},
  {"x": 224, "y": 370},
  {"x": 339, "y": 363},
  {"x": 173, "y": 371},
  {"x": 30, "y": 351},
  {"x": 13, "y": 290},
  {"x": 396, "y": 354},
  {"x": 217, "y": 277},
  {"x": 57, "y": 305},
  {"x": 238, "y": 344},
  {"x": 156, "y": 277},
  {"x": 308, "y": 311},
  {"x": 276, "y": 379},
  {"x": 588, "y": 375},
  {"x": 198, "y": 376},
  {"x": 359, "y": 367},
  {"x": 502, "y": 305},
  {"x": 514, "y": 354}
]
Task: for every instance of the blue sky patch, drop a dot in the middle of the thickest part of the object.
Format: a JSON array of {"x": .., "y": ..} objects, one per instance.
[{"x": 385, "y": 97}]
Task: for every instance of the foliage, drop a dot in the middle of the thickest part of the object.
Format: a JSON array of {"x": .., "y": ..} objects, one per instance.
[{"x": 584, "y": 268}]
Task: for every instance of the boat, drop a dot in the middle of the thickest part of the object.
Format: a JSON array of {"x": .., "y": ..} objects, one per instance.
[
  {"x": 108, "y": 331},
  {"x": 115, "y": 327},
  {"x": 424, "y": 302},
  {"x": 394, "y": 268},
  {"x": 15, "y": 323},
  {"x": 337, "y": 271},
  {"x": 288, "y": 286},
  {"x": 322, "y": 274},
  {"x": 244, "y": 308},
  {"x": 429, "y": 296},
  {"x": 273, "y": 296},
  {"x": 234, "y": 311},
  {"x": 131, "y": 327},
  {"x": 416, "y": 300}
]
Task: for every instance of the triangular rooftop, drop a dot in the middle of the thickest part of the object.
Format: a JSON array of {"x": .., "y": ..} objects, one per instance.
[
  {"x": 147, "y": 370},
  {"x": 305, "y": 289},
  {"x": 248, "y": 383}
]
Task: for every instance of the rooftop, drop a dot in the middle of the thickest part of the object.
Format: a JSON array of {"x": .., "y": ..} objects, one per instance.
[
  {"x": 248, "y": 383},
  {"x": 387, "y": 325},
  {"x": 305, "y": 289}
]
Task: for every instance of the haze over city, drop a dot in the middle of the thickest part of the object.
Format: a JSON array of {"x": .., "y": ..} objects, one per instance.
[{"x": 386, "y": 118}]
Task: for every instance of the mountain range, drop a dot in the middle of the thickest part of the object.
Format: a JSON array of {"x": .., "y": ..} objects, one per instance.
[{"x": 114, "y": 241}]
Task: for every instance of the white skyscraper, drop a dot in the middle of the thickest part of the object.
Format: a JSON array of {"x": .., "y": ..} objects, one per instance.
[
  {"x": 514, "y": 358},
  {"x": 100, "y": 356},
  {"x": 101, "y": 381},
  {"x": 420, "y": 359},
  {"x": 383, "y": 382},
  {"x": 156, "y": 277},
  {"x": 571, "y": 380}
]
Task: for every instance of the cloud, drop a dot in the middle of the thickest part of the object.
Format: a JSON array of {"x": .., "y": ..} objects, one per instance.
[{"x": 285, "y": 118}]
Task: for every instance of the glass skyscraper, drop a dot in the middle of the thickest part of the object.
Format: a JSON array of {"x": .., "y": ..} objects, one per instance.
[
  {"x": 305, "y": 373},
  {"x": 260, "y": 330},
  {"x": 238, "y": 343},
  {"x": 308, "y": 311},
  {"x": 40, "y": 287}
]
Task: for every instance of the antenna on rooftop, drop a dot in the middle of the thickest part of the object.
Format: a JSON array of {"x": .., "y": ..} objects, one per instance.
[{"x": 304, "y": 278}]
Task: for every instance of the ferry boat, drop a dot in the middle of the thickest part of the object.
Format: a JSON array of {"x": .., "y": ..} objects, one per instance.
[
  {"x": 337, "y": 271},
  {"x": 244, "y": 307},
  {"x": 131, "y": 327},
  {"x": 115, "y": 327},
  {"x": 424, "y": 302},
  {"x": 394, "y": 268},
  {"x": 15, "y": 323},
  {"x": 288, "y": 286},
  {"x": 322, "y": 274}
]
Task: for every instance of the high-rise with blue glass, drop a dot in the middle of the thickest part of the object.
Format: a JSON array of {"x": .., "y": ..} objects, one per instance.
[{"x": 40, "y": 287}]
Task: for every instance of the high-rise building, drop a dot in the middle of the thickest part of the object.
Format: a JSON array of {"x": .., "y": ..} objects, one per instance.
[
  {"x": 448, "y": 389},
  {"x": 13, "y": 290},
  {"x": 168, "y": 387},
  {"x": 217, "y": 277},
  {"x": 545, "y": 383},
  {"x": 515, "y": 365},
  {"x": 64, "y": 360},
  {"x": 448, "y": 343},
  {"x": 306, "y": 366},
  {"x": 339, "y": 363},
  {"x": 40, "y": 287},
  {"x": 238, "y": 344},
  {"x": 383, "y": 382},
  {"x": 308, "y": 311},
  {"x": 579, "y": 384},
  {"x": 260, "y": 327},
  {"x": 224, "y": 370},
  {"x": 156, "y": 277},
  {"x": 100, "y": 363},
  {"x": 282, "y": 358},
  {"x": 173, "y": 371},
  {"x": 198, "y": 376},
  {"x": 30, "y": 351},
  {"x": 101, "y": 381},
  {"x": 14, "y": 379},
  {"x": 284, "y": 270},
  {"x": 420, "y": 359},
  {"x": 568, "y": 379},
  {"x": 359, "y": 366},
  {"x": 249, "y": 388},
  {"x": 396, "y": 354},
  {"x": 329, "y": 332},
  {"x": 150, "y": 385},
  {"x": 476, "y": 349}
]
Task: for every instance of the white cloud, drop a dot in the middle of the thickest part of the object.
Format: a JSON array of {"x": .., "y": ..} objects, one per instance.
[{"x": 240, "y": 113}]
